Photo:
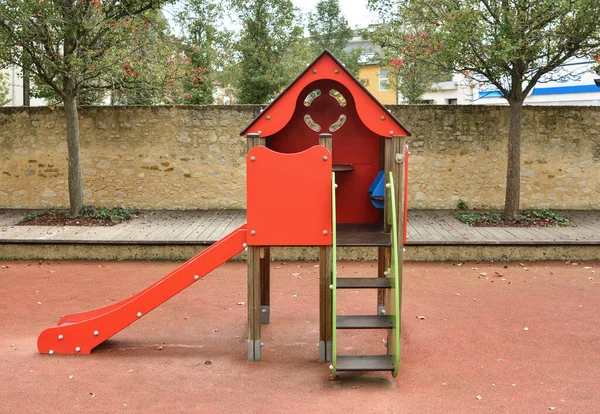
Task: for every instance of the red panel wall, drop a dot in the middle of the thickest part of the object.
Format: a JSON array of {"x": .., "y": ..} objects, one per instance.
[
  {"x": 289, "y": 197},
  {"x": 352, "y": 144}
]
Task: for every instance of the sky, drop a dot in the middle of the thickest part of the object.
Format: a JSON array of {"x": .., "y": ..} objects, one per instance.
[{"x": 355, "y": 11}]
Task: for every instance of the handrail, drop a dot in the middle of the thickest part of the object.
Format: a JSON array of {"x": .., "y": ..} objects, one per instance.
[
  {"x": 334, "y": 281},
  {"x": 395, "y": 295}
]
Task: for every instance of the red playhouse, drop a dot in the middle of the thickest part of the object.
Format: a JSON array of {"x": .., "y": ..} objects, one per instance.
[{"x": 327, "y": 166}]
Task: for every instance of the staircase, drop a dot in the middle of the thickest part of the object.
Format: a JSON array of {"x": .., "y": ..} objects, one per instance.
[{"x": 388, "y": 318}]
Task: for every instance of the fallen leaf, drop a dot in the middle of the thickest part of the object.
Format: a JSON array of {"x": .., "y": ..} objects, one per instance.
[
  {"x": 479, "y": 397},
  {"x": 525, "y": 328},
  {"x": 421, "y": 317},
  {"x": 208, "y": 362},
  {"x": 294, "y": 296},
  {"x": 483, "y": 274},
  {"x": 71, "y": 377},
  {"x": 160, "y": 348},
  {"x": 241, "y": 303},
  {"x": 92, "y": 394}
]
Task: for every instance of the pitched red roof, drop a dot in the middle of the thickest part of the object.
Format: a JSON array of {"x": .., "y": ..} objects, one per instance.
[{"x": 370, "y": 111}]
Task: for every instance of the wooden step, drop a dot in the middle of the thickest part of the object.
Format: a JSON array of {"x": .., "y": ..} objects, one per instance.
[
  {"x": 364, "y": 363},
  {"x": 363, "y": 283},
  {"x": 362, "y": 235},
  {"x": 364, "y": 322}
]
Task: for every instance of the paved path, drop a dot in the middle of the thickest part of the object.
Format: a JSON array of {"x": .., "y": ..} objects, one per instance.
[{"x": 425, "y": 227}]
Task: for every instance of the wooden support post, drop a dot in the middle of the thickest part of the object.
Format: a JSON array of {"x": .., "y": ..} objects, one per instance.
[
  {"x": 254, "y": 140},
  {"x": 325, "y": 301},
  {"x": 394, "y": 162},
  {"x": 259, "y": 310},
  {"x": 383, "y": 264},
  {"x": 326, "y": 141},
  {"x": 254, "y": 340},
  {"x": 326, "y": 280},
  {"x": 265, "y": 285}
]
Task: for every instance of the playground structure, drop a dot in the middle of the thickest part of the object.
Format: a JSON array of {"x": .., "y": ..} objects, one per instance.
[{"x": 343, "y": 187}]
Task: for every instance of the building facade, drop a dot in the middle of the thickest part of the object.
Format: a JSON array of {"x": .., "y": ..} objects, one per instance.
[{"x": 13, "y": 81}]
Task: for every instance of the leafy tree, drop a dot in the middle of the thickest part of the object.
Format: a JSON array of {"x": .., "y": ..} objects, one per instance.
[
  {"x": 510, "y": 44},
  {"x": 149, "y": 74},
  {"x": 153, "y": 71},
  {"x": 269, "y": 30},
  {"x": 413, "y": 78},
  {"x": 208, "y": 45},
  {"x": 72, "y": 46},
  {"x": 329, "y": 29}
]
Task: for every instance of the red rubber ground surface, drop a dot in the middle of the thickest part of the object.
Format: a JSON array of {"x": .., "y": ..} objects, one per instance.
[{"x": 189, "y": 355}]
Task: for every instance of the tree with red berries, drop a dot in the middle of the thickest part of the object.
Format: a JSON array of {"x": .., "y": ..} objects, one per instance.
[
  {"x": 73, "y": 46},
  {"x": 508, "y": 44}
]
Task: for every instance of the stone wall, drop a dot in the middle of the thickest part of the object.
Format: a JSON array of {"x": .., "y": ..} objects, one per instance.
[
  {"x": 459, "y": 152},
  {"x": 193, "y": 157},
  {"x": 147, "y": 157}
]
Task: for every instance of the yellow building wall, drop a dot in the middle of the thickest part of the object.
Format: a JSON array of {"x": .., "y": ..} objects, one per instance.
[{"x": 370, "y": 73}]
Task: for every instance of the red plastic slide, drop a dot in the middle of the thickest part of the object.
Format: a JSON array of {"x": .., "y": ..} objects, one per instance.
[{"x": 81, "y": 332}]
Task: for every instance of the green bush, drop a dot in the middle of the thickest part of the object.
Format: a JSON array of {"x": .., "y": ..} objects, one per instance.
[
  {"x": 462, "y": 205},
  {"x": 540, "y": 218},
  {"x": 115, "y": 214}
]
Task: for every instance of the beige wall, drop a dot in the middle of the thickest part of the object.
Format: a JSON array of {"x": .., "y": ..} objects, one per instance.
[
  {"x": 459, "y": 152},
  {"x": 193, "y": 157}
]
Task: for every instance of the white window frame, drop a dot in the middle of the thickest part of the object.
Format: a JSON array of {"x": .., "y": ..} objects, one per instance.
[{"x": 384, "y": 81}]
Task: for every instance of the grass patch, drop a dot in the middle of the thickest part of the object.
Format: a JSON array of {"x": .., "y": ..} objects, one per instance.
[
  {"x": 90, "y": 216},
  {"x": 115, "y": 214},
  {"x": 31, "y": 216},
  {"x": 525, "y": 218}
]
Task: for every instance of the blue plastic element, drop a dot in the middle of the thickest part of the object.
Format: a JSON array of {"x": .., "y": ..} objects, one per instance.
[{"x": 376, "y": 190}]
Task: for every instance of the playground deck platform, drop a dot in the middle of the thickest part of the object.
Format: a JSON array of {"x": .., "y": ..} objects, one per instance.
[{"x": 428, "y": 231}]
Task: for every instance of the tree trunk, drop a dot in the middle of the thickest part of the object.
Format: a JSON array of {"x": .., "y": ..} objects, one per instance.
[
  {"x": 513, "y": 174},
  {"x": 26, "y": 87},
  {"x": 72, "y": 121}
]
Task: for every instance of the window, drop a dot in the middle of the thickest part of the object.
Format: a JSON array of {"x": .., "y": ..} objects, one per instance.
[
  {"x": 452, "y": 101},
  {"x": 384, "y": 83}
]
